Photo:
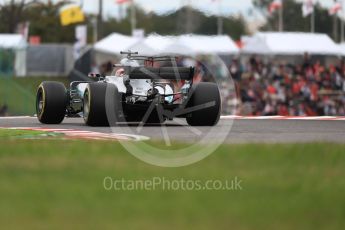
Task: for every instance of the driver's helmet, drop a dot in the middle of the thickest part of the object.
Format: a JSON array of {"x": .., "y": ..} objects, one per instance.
[{"x": 128, "y": 62}]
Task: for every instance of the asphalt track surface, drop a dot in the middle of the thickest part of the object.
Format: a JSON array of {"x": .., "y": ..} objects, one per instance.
[{"x": 241, "y": 131}]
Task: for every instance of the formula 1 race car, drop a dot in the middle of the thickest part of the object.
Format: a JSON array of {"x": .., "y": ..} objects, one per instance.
[{"x": 133, "y": 93}]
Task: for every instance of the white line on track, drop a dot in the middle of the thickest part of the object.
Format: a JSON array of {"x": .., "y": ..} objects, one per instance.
[
  {"x": 231, "y": 117},
  {"x": 18, "y": 117},
  {"x": 305, "y": 118},
  {"x": 87, "y": 134},
  {"x": 262, "y": 118}
]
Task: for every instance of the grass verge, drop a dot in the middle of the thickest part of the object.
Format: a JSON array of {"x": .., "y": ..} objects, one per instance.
[
  {"x": 53, "y": 184},
  {"x": 19, "y": 94},
  {"x": 13, "y": 133}
]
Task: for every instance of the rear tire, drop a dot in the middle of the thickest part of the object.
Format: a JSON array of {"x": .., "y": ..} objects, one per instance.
[
  {"x": 202, "y": 94},
  {"x": 51, "y": 102},
  {"x": 97, "y": 97}
]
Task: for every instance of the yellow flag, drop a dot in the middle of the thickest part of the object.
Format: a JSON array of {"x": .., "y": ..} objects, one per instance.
[{"x": 71, "y": 14}]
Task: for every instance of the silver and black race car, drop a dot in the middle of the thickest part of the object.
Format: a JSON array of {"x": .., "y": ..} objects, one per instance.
[{"x": 136, "y": 91}]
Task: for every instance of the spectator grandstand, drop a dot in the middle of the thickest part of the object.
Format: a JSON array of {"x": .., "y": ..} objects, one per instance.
[{"x": 306, "y": 89}]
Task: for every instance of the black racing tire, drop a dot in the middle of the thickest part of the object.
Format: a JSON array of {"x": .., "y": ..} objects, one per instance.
[
  {"x": 97, "y": 97},
  {"x": 202, "y": 94},
  {"x": 51, "y": 102}
]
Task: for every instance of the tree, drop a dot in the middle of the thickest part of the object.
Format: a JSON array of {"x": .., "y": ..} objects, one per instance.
[
  {"x": 176, "y": 23},
  {"x": 11, "y": 15},
  {"x": 43, "y": 17},
  {"x": 262, "y": 6},
  {"x": 45, "y": 22}
]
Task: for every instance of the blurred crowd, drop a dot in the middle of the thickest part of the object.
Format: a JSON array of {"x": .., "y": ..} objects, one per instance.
[
  {"x": 305, "y": 89},
  {"x": 271, "y": 88}
]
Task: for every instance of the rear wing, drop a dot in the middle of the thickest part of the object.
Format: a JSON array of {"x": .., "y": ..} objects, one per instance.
[
  {"x": 166, "y": 73},
  {"x": 134, "y": 56}
]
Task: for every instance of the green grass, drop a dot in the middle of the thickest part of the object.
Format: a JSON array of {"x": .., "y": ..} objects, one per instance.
[
  {"x": 54, "y": 184},
  {"x": 10, "y": 133},
  {"x": 20, "y": 93}
]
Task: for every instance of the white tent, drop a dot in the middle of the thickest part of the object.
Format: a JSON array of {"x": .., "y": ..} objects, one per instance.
[
  {"x": 154, "y": 44},
  {"x": 342, "y": 49},
  {"x": 290, "y": 43},
  {"x": 191, "y": 44},
  {"x": 202, "y": 44},
  {"x": 17, "y": 43},
  {"x": 12, "y": 41},
  {"x": 115, "y": 43}
]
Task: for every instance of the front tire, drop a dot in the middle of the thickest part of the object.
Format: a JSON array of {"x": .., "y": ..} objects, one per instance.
[
  {"x": 205, "y": 95},
  {"x": 51, "y": 102}
]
